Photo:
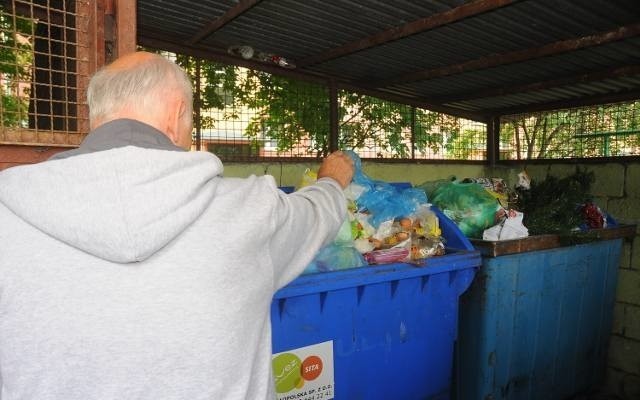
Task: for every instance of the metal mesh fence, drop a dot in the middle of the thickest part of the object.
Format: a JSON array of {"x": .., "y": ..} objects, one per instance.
[
  {"x": 381, "y": 129},
  {"x": 246, "y": 115},
  {"x": 42, "y": 71},
  {"x": 276, "y": 118},
  {"x": 610, "y": 130},
  {"x": 440, "y": 136}
]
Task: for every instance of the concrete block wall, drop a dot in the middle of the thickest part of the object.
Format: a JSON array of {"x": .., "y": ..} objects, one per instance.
[
  {"x": 617, "y": 191},
  {"x": 621, "y": 190}
]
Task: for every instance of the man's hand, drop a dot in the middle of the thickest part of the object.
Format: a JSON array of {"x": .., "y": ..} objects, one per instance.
[{"x": 338, "y": 166}]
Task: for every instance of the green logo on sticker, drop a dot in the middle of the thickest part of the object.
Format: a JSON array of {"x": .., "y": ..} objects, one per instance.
[{"x": 286, "y": 372}]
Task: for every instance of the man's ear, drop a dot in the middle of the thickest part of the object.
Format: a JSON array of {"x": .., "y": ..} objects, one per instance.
[{"x": 175, "y": 113}]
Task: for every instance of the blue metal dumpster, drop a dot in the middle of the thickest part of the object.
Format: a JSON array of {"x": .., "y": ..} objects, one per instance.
[
  {"x": 375, "y": 332},
  {"x": 535, "y": 323}
]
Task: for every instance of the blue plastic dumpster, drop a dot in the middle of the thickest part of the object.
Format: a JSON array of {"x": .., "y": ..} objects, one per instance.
[
  {"x": 535, "y": 323},
  {"x": 375, "y": 332}
]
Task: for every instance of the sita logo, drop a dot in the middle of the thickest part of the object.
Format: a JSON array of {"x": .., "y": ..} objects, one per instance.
[{"x": 291, "y": 373}]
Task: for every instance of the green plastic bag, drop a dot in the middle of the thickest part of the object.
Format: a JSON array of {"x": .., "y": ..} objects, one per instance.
[{"x": 469, "y": 205}]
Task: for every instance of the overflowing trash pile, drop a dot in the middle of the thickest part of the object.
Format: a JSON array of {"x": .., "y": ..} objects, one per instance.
[
  {"x": 386, "y": 223},
  {"x": 389, "y": 222},
  {"x": 562, "y": 205},
  {"x": 480, "y": 207},
  {"x": 485, "y": 208}
]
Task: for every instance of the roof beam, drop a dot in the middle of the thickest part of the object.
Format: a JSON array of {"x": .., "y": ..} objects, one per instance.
[
  {"x": 221, "y": 56},
  {"x": 495, "y": 60},
  {"x": 455, "y": 14},
  {"x": 157, "y": 40},
  {"x": 628, "y": 95},
  {"x": 231, "y": 14},
  {"x": 609, "y": 73}
]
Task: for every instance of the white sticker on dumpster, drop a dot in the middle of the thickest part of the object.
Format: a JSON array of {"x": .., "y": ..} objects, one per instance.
[{"x": 305, "y": 373}]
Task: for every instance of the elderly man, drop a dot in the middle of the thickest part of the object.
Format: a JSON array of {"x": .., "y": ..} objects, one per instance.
[{"x": 131, "y": 269}]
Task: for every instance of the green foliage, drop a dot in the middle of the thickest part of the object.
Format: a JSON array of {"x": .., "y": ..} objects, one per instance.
[
  {"x": 292, "y": 112},
  {"x": 551, "y": 206},
  {"x": 289, "y": 111},
  {"x": 13, "y": 110},
  {"x": 598, "y": 131},
  {"x": 370, "y": 122},
  {"x": 16, "y": 59},
  {"x": 434, "y": 130},
  {"x": 463, "y": 146}
]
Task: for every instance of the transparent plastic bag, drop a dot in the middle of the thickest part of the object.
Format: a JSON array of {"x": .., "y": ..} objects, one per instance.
[
  {"x": 469, "y": 205},
  {"x": 335, "y": 257}
]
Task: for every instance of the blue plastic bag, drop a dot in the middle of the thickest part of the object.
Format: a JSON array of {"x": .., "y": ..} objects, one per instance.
[{"x": 383, "y": 200}]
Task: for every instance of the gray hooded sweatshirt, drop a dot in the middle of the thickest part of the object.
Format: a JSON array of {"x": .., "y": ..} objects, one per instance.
[{"x": 141, "y": 273}]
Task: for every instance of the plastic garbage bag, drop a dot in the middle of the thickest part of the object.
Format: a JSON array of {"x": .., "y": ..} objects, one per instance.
[{"x": 469, "y": 205}]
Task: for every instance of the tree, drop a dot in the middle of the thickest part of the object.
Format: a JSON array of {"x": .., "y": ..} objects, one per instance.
[
  {"x": 16, "y": 59},
  {"x": 295, "y": 114},
  {"x": 288, "y": 111},
  {"x": 604, "y": 130}
]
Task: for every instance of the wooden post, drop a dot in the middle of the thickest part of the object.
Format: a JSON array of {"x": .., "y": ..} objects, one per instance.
[
  {"x": 126, "y": 26},
  {"x": 493, "y": 140},
  {"x": 334, "y": 130},
  {"x": 119, "y": 28},
  {"x": 90, "y": 54}
]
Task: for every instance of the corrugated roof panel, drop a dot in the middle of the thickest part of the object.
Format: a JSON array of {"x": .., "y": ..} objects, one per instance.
[
  {"x": 318, "y": 24},
  {"x": 446, "y": 46},
  {"x": 182, "y": 18},
  {"x": 302, "y": 29},
  {"x": 548, "y": 95},
  {"x": 549, "y": 68}
]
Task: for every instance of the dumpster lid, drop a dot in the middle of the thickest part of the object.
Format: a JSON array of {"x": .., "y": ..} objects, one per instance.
[
  {"x": 491, "y": 248},
  {"x": 366, "y": 275}
]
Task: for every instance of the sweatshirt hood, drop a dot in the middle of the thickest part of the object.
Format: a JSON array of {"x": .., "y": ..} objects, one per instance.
[{"x": 122, "y": 205}]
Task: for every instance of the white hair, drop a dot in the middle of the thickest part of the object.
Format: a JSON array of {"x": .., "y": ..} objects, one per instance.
[{"x": 138, "y": 87}]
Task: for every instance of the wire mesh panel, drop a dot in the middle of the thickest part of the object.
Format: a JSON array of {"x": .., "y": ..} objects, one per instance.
[
  {"x": 273, "y": 116},
  {"x": 244, "y": 115},
  {"x": 381, "y": 129},
  {"x": 375, "y": 128},
  {"x": 440, "y": 136},
  {"x": 43, "y": 71},
  {"x": 610, "y": 130}
]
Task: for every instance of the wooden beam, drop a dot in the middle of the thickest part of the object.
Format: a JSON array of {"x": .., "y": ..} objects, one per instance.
[
  {"x": 550, "y": 49},
  {"x": 221, "y": 56},
  {"x": 110, "y": 31},
  {"x": 235, "y": 11},
  {"x": 97, "y": 30},
  {"x": 158, "y": 41},
  {"x": 126, "y": 26},
  {"x": 90, "y": 53},
  {"x": 628, "y": 95},
  {"x": 423, "y": 24},
  {"x": 610, "y": 73}
]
